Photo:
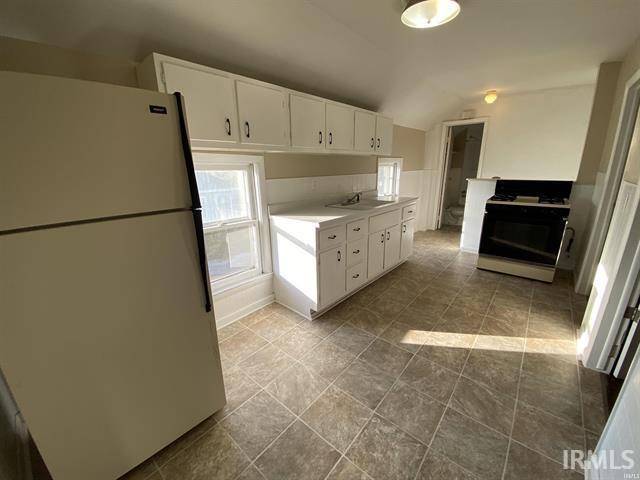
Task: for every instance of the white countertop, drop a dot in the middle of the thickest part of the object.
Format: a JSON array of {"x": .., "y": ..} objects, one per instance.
[{"x": 322, "y": 216}]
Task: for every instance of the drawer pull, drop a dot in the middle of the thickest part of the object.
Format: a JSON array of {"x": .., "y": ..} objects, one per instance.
[
  {"x": 355, "y": 276},
  {"x": 355, "y": 252},
  {"x": 357, "y": 229},
  {"x": 331, "y": 237},
  {"x": 410, "y": 211}
]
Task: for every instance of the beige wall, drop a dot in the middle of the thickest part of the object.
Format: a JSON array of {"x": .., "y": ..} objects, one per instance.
[
  {"x": 23, "y": 56},
  {"x": 599, "y": 122},
  {"x": 409, "y": 143},
  {"x": 293, "y": 165}
]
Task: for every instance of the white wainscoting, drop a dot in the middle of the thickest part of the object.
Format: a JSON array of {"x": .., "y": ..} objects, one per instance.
[{"x": 412, "y": 183}]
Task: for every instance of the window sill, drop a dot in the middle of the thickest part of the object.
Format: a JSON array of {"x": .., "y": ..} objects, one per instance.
[{"x": 230, "y": 289}]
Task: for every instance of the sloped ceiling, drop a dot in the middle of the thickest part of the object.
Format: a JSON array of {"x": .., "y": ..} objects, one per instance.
[{"x": 355, "y": 51}]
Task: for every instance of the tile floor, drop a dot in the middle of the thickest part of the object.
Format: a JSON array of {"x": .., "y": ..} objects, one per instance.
[{"x": 437, "y": 370}]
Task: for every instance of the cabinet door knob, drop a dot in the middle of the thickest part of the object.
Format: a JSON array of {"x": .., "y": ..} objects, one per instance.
[
  {"x": 371, "y": 142},
  {"x": 227, "y": 126},
  {"x": 330, "y": 138},
  {"x": 320, "y": 137},
  {"x": 339, "y": 255},
  {"x": 331, "y": 237},
  {"x": 355, "y": 276},
  {"x": 247, "y": 129},
  {"x": 378, "y": 143},
  {"x": 357, "y": 229},
  {"x": 355, "y": 252}
]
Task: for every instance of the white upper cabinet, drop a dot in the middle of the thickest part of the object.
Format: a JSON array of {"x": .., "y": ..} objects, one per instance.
[
  {"x": 307, "y": 122},
  {"x": 340, "y": 124},
  {"x": 209, "y": 101},
  {"x": 384, "y": 135},
  {"x": 262, "y": 111},
  {"x": 365, "y": 132}
]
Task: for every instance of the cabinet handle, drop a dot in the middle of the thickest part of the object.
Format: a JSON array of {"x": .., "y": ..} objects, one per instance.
[
  {"x": 378, "y": 143},
  {"x": 320, "y": 137},
  {"x": 357, "y": 229},
  {"x": 410, "y": 211},
  {"x": 382, "y": 238},
  {"x": 355, "y": 276},
  {"x": 339, "y": 255},
  {"x": 388, "y": 235},
  {"x": 355, "y": 252},
  {"x": 331, "y": 237},
  {"x": 404, "y": 229},
  {"x": 247, "y": 130},
  {"x": 330, "y": 138},
  {"x": 227, "y": 126},
  {"x": 371, "y": 142}
]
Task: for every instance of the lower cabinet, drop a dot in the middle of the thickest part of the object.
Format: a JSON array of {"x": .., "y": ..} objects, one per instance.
[
  {"x": 392, "y": 246},
  {"x": 406, "y": 243},
  {"x": 332, "y": 275},
  {"x": 375, "y": 261}
]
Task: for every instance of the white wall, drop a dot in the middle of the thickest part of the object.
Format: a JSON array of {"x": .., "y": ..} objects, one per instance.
[{"x": 538, "y": 135}]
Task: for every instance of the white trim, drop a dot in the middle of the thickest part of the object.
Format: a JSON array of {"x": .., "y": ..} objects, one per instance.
[
  {"x": 443, "y": 158},
  {"x": 234, "y": 303},
  {"x": 615, "y": 170}
]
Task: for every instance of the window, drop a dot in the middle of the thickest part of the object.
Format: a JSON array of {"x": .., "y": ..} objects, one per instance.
[
  {"x": 229, "y": 189},
  {"x": 389, "y": 176}
]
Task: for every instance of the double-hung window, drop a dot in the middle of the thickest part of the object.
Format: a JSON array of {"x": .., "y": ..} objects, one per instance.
[
  {"x": 231, "y": 213},
  {"x": 389, "y": 176}
]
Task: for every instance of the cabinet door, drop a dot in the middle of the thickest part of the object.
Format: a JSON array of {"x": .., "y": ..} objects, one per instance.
[
  {"x": 406, "y": 246},
  {"x": 210, "y": 103},
  {"x": 307, "y": 122},
  {"x": 365, "y": 132},
  {"x": 340, "y": 123},
  {"x": 262, "y": 112},
  {"x": 375, "y": 258},
  {"x": 392, "y": 246},
  {"x": 332, "y": 275},
  {"x": 384, "y": 135}
]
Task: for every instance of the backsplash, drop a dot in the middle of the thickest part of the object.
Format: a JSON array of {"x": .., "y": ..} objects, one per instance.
[{"x": 282, "y": 190}]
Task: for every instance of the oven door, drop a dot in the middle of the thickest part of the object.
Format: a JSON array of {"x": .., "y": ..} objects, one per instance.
[{"x": 529, "y": 234}]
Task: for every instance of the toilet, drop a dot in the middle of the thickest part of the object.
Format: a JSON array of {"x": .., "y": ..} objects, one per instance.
[{"x": 454, "y": 214}]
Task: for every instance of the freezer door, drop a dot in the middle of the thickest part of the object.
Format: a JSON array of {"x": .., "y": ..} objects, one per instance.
[
  {"x": 105, "y": 342},
  {"x": 74, "y": 150}
]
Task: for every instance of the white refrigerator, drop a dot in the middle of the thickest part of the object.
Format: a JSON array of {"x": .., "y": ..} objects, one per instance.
[{"x": 107, "y": 338}]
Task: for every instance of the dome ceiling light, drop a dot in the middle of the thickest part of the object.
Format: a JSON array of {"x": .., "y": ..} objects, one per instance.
[
  {"x": 429, "y": 13},
  {"x": 491, "y": 96}
]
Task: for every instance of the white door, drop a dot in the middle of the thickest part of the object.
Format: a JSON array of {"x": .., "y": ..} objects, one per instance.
[
  {"x": 307, "y": 122},
  {"x": 365, "y": 132},
  {"x": 332, "y": 275},
  {"x": 340, "y": 124},
  {"x": 105, "y": 341},
  {"x": 384, "y": 135},
  {"x": 262, "y": 113},
  {"x": 406, "y": 245},
  {"x": 375, "y": 254},
  {"x": 210, "y": 103},
  {"x": 392, "y": 246}
]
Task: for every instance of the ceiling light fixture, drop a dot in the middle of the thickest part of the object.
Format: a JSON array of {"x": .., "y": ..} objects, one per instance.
[
  {"x": 429, "y": 13},
  {"x": 490, "y": 96}
]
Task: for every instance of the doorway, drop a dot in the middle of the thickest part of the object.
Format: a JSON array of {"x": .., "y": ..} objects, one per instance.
[{"x": 463, "y": 148}]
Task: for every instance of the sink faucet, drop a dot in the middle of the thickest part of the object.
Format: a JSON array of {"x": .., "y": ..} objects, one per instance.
[{"x": 355, "y": 198}]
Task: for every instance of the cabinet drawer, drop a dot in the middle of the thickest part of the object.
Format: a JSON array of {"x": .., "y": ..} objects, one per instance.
[
  {"x": 357, "y": 229},
  {"x": 409, "y": 211},
  {"x": 331, "y": 237},
  {"x": 384, "y": 220},
  {"x": 356, "y": 251},
  {"x": 356, "y": 276}
]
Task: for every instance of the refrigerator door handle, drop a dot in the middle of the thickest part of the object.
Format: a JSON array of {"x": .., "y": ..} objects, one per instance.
[{"x": 196, "y": 206}]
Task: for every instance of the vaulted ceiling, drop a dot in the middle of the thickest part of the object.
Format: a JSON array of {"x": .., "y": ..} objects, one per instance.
[{"x": 355, "y": 51}]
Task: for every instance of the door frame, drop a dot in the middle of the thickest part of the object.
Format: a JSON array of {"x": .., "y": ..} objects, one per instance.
[
  {"x": 443, "y": 157},
  {"x": 612, "y": 182}
]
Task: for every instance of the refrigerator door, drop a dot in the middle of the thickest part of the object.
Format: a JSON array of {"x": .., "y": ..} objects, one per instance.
[
  {"x": 105, "y": 342},
  {"x": 74, "y": 150}
]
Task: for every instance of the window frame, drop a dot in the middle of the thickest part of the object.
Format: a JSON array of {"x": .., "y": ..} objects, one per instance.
[
  {"x": 396, "y": 162},
  {"x": 257, "y": 213}
]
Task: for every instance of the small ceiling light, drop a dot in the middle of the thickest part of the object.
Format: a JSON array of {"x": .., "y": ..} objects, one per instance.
[
  {"x": 429, "y": 13},
  {"x": 491, "y": 96}
]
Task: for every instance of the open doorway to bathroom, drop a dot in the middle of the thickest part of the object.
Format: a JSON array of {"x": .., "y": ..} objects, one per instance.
[{"x": 463, "y": 148}]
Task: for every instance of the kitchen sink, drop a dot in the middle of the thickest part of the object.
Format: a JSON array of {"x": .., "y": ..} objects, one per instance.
[{"x": 366, "y": 204}]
